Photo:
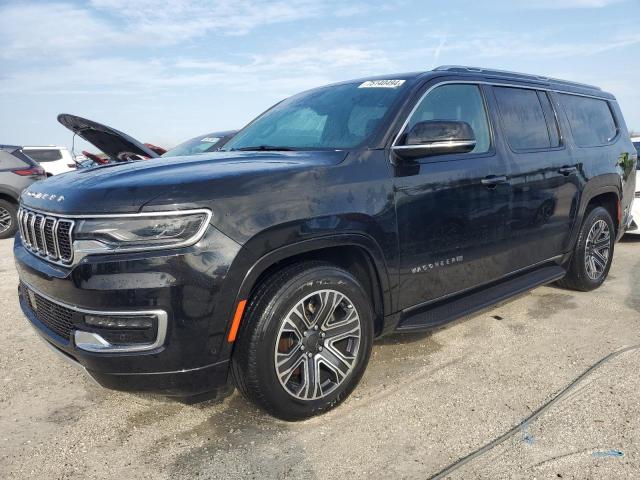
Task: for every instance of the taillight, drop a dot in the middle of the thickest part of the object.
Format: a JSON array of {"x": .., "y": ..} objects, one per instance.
[{"x": 25, "y": 172}]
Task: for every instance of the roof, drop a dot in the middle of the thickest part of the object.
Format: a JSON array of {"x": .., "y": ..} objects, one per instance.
[
  {"x": 512, "y": 75},
  {"x": 34, "y": 147},
  {"x": 555, "y": 83},
  {"x": 10, "y": 147},
  {"x": 495, "y": 75}
]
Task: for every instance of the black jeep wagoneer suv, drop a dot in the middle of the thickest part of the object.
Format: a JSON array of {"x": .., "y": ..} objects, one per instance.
[{"x": 341, "y": 214}]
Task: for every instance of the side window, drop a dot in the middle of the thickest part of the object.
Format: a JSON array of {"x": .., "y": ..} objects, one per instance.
[
  {"x": 458, "y": 103},
  {"x": 523, "y": 119},
  {"x": 591, "y": 120},
  {"x": 11, "y": 162},
  {"x": 40, "y": 155}
]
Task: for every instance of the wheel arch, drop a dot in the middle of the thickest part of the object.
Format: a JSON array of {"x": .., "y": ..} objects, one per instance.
[
  {"x": 9, "y": 196},
  {"x": 356, "y": 253},
  {"x": 605, "y": 191}
]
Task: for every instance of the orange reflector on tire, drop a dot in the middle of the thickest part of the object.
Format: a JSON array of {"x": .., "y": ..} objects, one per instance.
[{"x": 236, "y": 321}]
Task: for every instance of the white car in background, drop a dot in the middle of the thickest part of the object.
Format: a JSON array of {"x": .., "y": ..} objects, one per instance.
[
  {"x": 54, "y": 160},
  {"x": 634, "y": 226}
]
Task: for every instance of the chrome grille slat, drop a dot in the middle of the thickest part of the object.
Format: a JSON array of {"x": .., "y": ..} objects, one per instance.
[
  {"x": 31, "y": 220},
  {"x": 37, "y": 227},
  {"x": 47, "y": 236},
  {"x": 20, "y": 225},
  {"x": 25, "y": 228}
]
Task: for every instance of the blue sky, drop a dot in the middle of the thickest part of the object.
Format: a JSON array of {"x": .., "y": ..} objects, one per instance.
[{"x": 165, "y": 71}]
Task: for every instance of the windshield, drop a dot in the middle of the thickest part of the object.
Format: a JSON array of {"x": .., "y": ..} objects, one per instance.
[
  {"x": 336, "y": 117},
  {"x": 201, "y": 144}
]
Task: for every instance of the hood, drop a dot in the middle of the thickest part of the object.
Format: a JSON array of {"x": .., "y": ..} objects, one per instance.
[
  {"x": 106, "y": 139},
  {"x": 175, "y": 182}
]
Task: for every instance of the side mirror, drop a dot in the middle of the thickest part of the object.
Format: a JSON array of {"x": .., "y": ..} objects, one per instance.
[{"x": 436, "y": 137}]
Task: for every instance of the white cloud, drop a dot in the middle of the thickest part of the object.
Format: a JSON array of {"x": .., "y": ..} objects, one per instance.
[
  {"x": 509, "y": 45},
  {"x": 56, "y": 29},
  {"x": 566, "y": 4},
  {"x": 60, "y": 29},
  {"x": 286, "y": 71}
]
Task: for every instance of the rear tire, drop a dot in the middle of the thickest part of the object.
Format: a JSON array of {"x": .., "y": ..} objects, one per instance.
[
  {"x": 8, "y": 219},
  {"x": 286, "y": 365},
  {"x": 593, "y": 254}
]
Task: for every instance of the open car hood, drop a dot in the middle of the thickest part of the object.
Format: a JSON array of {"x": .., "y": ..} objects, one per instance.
[{"x": 108, "y": 140}]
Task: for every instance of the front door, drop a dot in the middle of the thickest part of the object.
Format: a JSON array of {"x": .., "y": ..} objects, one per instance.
[{"x": 452, "y": 210}]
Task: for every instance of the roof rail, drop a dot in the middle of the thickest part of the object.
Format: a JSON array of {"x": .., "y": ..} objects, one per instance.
[{"x": 513, "y": 75}]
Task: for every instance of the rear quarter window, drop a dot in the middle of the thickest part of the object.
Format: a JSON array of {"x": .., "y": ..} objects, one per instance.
[
  {"x": 42, "y": 155},
  {"x": 592, "y": 123},
  {"x": 9, "y": 161}
]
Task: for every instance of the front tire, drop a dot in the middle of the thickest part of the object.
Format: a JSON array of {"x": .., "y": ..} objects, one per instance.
[
  {"x": 8, "y": 219},
  {"x": 304, "y": 342},
  {"x": 593, "y": 253}
]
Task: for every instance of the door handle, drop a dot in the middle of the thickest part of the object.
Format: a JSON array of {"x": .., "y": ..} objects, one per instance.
[
  {"x": 567, "y": 170},
  {"x": 492, "y": 180}
]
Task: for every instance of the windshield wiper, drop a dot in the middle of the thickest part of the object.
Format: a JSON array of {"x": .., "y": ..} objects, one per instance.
[{"x": 263, "y": 148}]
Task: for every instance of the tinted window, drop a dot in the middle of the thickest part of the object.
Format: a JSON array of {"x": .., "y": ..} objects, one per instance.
[
  {"x": 458, "y": 103},
  {"x": 194, "y": 146},
  {"x": 338, "y": 116},
  {"x": 523, "y": 119},
  {"x": 10, "y": 161},
  {"x": 591, "y": 121},
  {"x": 44, "y": 155},
  {"x": 637, "y": 145}
]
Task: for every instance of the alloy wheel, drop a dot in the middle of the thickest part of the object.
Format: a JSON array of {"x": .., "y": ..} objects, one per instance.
[
  {"x": 597, "y": 249},
  {"x": 317, "y": 345},
  {"x": 5, "y": 220}
]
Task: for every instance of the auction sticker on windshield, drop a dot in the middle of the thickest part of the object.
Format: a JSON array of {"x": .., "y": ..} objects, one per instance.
[{"x": 381, "y": 84}]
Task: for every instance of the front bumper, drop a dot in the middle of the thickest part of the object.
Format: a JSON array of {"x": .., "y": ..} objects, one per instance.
[{"x": 189, "y": 359}]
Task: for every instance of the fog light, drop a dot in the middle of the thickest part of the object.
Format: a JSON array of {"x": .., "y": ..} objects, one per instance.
[
  {"x": 137, "y": 322},
  {"x": 121, "y": 331}
]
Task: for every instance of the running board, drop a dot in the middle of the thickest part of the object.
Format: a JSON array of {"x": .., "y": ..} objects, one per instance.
[{"x": 445, "y": 311}]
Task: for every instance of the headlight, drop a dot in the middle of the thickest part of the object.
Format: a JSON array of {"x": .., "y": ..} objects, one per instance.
[{"x": 141, "y": 232}]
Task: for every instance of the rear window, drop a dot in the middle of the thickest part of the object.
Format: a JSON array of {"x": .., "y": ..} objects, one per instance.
[
  {"x": 13, "y": 161},
  {"x": 591, "y": 120},
  {"x": 42, "y": 155},
  {"x": 523, "y": 119}
]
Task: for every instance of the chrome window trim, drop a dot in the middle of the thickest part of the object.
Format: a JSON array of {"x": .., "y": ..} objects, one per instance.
[
  {"x": 83, "y": 248},
  {"x": 492, "y": 84},
  {"x": 102, "y": 346}
]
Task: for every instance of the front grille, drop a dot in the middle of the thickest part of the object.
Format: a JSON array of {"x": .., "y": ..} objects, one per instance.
[
  {"x": 57, "y": 318},
  {"x": 46, "y": 236}
]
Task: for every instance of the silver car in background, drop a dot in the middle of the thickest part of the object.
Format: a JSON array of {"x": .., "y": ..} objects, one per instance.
[{"x": 17, "y": 172}]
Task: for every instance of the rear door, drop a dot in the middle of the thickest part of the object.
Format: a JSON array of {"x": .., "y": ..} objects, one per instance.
[
  {"x": 452, "y": 210},
  {"x": 545, "y": 178}
]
